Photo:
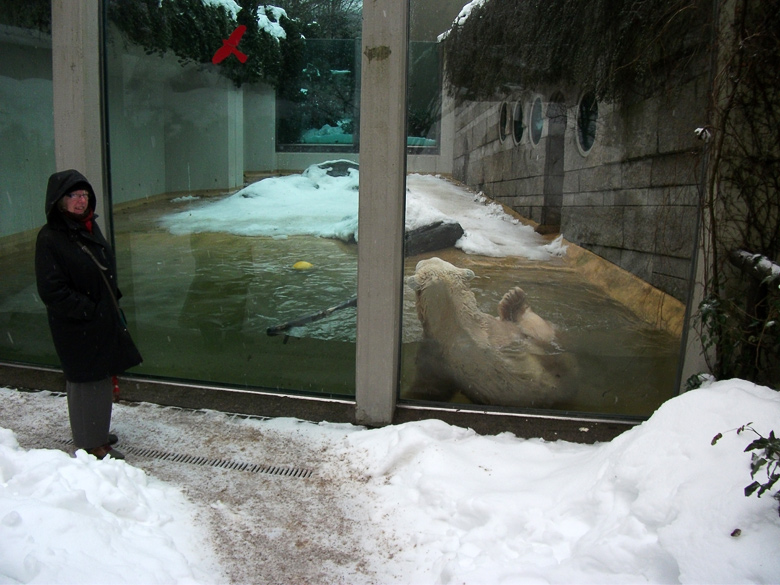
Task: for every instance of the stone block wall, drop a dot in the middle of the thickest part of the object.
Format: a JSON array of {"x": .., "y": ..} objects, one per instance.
[{"x": 632, "y": 198}]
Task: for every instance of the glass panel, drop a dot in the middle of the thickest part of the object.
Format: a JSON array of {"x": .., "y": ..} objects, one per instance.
[
  {"x": 319, "y": 106},
  {"x": 587, "y": 119},
  {"x": 228, "y": 265},
  {"x": 538, "y": 277},
  {"x": 518, "y": 123},
  {"x": 424, "y": 97},
  {"x": 503, "y": 122},
  {"x": 26, "y": 161},
  {"x": 537, "y": 121}
]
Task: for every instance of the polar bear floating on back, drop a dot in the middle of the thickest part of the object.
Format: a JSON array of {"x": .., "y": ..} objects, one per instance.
[{"x": 509, "y": 360}]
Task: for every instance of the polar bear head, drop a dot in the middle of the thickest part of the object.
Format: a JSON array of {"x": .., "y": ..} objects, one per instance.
[
  {"x": 444, "y": 297},
  {"x": 435, "y": 269}
]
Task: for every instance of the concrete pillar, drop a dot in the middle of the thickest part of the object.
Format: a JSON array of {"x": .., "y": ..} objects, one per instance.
[
  {"x": 381, "y": 214},
  {"x": 76, "y": 74},
  {"x": 235, "y": 146}
]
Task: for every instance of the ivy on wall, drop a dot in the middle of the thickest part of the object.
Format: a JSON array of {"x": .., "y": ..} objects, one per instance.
[
  {"x": 618, "y": 50},
  {"x": 33, "y": 14},
  {"x": 194, "y": 30},
  {"x": 740, "y": 316}
]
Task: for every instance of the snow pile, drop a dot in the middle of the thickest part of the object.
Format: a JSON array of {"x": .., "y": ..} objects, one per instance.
[
  {"x": 658, "y": 504},
  {"x": 184, "y": 198},
  {"x": 66, "y": 520},
  {"x": 311, "y": 203},
  {"x": 315, "y": 203},
  {"x": 488, "y": 229}
]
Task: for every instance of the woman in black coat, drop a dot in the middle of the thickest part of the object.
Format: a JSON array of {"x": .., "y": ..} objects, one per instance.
[{"x": 75, "y": 271}]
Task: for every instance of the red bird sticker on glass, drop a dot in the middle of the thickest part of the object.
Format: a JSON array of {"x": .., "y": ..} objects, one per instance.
[{"x": 230, "y": 47}]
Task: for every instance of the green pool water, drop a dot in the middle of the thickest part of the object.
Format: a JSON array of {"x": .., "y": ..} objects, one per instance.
[{"x": 199, "y": 307}]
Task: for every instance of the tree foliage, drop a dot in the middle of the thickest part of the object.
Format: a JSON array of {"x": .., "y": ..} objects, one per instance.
[
  {"x": 764, "y": 455},
  {"x": 740, "y": 317},
  {"x": 194, "y": 30},
  {"x": 327, "y": 19},
  {"x": 321, "y": 93},
  {"x": 616, "y": 49},
  {"x": 33, "y": 14}
]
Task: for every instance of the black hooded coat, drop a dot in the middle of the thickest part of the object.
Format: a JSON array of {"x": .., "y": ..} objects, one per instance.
[{"x": 89, "y": 334}]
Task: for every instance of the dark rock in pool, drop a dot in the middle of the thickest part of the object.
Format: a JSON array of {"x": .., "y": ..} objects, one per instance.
[
  {"x": 436, "y": 236},
  {"x": 339, "y": 168}
]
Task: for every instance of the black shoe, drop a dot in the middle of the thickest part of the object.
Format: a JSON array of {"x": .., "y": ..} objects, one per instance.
[
  {"x": 114, "y": 454},
  {"x": 112, "y": 439},
  {"x": 106, "y": 451}
]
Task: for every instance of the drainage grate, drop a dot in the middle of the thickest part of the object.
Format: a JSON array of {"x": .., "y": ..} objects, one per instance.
[
  {"x": 279, "y": 470},
  {"x": 282, "y": 470}
]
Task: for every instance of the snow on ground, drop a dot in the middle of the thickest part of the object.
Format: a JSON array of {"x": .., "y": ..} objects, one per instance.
[
  {"x": 488, "y": 229},
  {"x": 418, "y": 503},
  {"x": 80, "y": 520}
]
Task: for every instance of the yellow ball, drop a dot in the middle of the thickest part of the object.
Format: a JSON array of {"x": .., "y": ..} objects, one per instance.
[{"x": 302, "y": 265}]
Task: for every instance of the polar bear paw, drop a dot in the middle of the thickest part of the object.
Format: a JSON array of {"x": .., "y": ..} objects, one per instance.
[{"x": 513, "y": 305}]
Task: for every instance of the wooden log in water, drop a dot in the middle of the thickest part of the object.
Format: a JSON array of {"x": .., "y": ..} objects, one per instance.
[{"x": 281, "y": 329}]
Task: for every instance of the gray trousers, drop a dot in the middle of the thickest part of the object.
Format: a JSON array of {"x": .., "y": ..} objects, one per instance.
[{"x": 89, "y": 409}]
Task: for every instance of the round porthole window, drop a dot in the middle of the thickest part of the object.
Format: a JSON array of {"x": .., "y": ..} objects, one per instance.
[
  {"x": 537, "y": 121},
  {"x": 517, "y": 123},
  {"x": 503, "y": 122},
  {"x": 587, "y": 117}
]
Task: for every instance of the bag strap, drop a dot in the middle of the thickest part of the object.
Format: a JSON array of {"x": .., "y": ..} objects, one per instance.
[{"x": 103, "y": 270}]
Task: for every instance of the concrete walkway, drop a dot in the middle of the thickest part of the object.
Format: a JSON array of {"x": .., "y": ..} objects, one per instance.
[{"x": 278, "y": 508}]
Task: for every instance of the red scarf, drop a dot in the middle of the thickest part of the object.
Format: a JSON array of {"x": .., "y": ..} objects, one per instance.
[{"x": 85, "y": 220}]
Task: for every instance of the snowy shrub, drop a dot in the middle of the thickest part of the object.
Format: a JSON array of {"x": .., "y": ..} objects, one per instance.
[{"x": 765, "y": 455}]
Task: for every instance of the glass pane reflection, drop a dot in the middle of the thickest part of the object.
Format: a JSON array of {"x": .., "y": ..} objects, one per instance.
[
  {"x": 215, "y": 245},
  {"x": 537, "y": 121},
  {"x": 26, "y": 161},
  {"x": 501, "y": 311},
  {"x": 319, "y": 106}
]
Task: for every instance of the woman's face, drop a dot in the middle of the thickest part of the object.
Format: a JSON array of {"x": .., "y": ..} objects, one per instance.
[{"x": 76, "y": 202}]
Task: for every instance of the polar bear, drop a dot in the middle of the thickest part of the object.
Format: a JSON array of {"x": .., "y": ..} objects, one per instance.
[{"x": 510, "y": 360}]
